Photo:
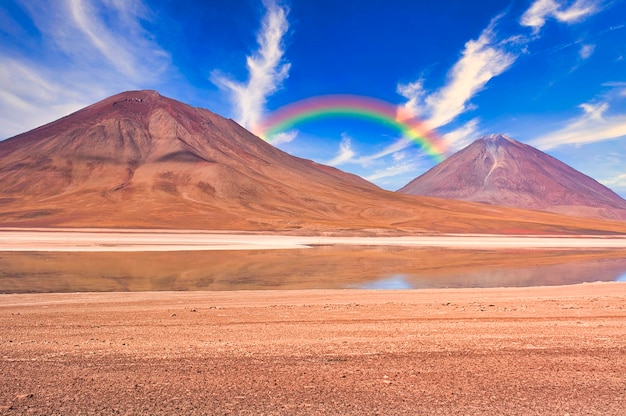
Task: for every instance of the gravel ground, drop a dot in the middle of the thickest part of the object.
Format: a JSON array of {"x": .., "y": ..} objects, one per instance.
[{"x": 520, "y": 351}]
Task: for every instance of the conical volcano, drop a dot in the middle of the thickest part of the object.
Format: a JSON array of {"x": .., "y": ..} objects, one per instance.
[
  {"x": 141, "y": 160},
  {"x": 140, "y": 157},
  {"x": 499, "y": 170}
]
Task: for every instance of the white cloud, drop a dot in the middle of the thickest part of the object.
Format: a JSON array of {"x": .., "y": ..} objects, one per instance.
[
  {"x": 393, "y": 170},
  {"x": 29, "y": 98},
  {"x": 266, "y": 69},
  {"x": 541, "y": 10},
  {"x": 86, "y": 51},
  {"x": 537, "y": 13},
  {"x": 390, "y": 162},
  {"x": 481, "y": 60},
  {"x": 616, "y": 182},
  {"x": 392, "y": 149},
  {"x": 283, "y": 137},
  {"x": 577, "y": 11},
  {"x": 618, "y": 87},
  {"x": 108, "y": 34},
  {"x": 462, "y": 136},
  {"x": 414, "y": 92},
  {"x": 618, "y": 84},
  {"x": 586, "y": 51},
  {"x": 592, "y": 126},
  {"x": 345, "y": 154},
  {"x": 398, "y": 156}
]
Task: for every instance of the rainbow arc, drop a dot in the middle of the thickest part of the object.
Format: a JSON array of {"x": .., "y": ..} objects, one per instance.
[{"x": 351, "y": 106}]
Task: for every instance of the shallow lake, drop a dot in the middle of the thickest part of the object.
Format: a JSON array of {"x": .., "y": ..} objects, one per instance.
[{"x": 325, "y": 267}]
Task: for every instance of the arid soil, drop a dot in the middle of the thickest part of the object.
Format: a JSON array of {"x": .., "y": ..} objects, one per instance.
[{"x": 519, "y": 351}]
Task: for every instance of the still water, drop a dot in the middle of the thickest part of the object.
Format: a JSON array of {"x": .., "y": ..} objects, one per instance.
[{"x": 326, "y": 267}]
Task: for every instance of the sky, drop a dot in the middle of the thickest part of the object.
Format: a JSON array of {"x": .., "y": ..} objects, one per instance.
[{"x": 549, "y": 73}]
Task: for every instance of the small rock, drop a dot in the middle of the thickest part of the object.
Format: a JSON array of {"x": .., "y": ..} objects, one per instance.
[{"x": 24, "y": 396}]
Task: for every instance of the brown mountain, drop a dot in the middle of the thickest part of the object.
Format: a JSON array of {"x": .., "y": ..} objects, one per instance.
[
  {"x": 501, "y": 171},
  {"x": 139, "y": 159}
]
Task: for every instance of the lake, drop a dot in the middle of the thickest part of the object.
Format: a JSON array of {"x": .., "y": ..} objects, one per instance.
[{"x": 321, "y": 267}]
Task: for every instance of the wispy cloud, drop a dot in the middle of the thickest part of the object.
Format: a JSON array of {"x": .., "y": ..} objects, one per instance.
[
  {"x": 30, "y": 98},
  {"x": 618, "y": 87},
  {"x": 393, "y": 149},
  {"x": 86, "y": 51},
  {"x": 266, "y": 69},
  {"x": 393, "y": 170},
  {"x": 586, "y": 51},
  {"x": 391, "y": 162},
  {"x": 116, "y": 33},
  {"x": 346, "y": 153},
  {"x": 577, "y": 11},
  {"x": 536, "y": 15},
  {"x": 594, "y": 125},
  {"x": 283, "y": 137},
  {"x": 98, "y": 34},
  {"x": 464, "y": 135},
  {"x": 482, "y": 59},
  {"x": 616, "y": 182},
  {"x": 541, "y": 10}
]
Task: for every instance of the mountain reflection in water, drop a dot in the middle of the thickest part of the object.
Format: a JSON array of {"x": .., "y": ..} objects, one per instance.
[{"x": 328, "y": 267}]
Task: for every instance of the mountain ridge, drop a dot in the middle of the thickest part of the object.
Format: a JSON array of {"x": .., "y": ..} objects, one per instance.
[
  {"x": 141, "y": 160},
  {"x": 499, "y": 170}
]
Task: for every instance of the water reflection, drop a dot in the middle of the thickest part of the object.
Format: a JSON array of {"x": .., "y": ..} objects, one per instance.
[
  {"x": 321, "y": 267},
  {"x": 395, "y": 282}
]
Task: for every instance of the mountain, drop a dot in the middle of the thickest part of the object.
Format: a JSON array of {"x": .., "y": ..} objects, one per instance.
[
  {"x": 499, "y": 170},
  {"x": 141, "y": 160}
]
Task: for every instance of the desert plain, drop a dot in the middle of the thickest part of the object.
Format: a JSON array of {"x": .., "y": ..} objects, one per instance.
[{"x": 557, "y": 350}]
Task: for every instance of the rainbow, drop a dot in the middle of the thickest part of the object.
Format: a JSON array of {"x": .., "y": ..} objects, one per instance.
[{"x": 328, "y": 106}]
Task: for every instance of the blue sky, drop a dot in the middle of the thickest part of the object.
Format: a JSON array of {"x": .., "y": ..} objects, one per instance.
[{"x": 550, "y": 73}]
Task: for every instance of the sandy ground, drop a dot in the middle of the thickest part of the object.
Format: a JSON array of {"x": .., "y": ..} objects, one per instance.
[
  {"x": 161, "y": 240},
  {"x": 519, "y": 351}
]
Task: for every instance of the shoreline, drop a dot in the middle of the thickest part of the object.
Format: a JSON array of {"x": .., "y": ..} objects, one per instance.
[
  {"x": 266, "y": 297},
  {"x": 89, "y": 240}
]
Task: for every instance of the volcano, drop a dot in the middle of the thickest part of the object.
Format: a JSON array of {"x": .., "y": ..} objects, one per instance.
[
  {"x": 499, "y": 170},
  {"x": 141, "y": 160}
]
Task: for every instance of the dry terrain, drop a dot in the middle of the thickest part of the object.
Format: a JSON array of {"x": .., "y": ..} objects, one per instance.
[
  {"x": 141, "y": 160},
  {"x": 518, "y": 351}
]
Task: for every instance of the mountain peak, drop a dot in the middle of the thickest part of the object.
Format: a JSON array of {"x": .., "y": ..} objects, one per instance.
[
  {"x": 498, "y": 140},
  {"x": 142, "y": 160},
  {"x": 136, "y": 96},
  {"x": 499, "y": 170}
]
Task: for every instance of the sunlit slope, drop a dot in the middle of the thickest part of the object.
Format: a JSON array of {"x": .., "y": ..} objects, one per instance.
[
  {"x": 139, "y": 159},
  {"x": 501, "y": 171}
]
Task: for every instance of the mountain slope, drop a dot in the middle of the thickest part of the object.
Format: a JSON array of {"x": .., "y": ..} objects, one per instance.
[
  {"x": 501, "y": 171},
  {"x": 139, "y": 159}
]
